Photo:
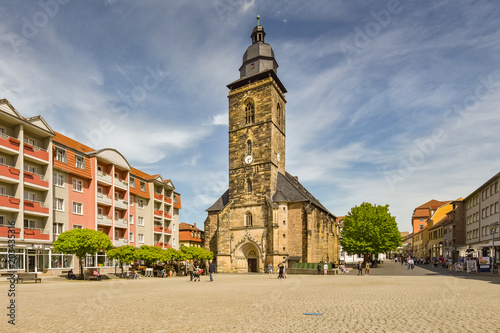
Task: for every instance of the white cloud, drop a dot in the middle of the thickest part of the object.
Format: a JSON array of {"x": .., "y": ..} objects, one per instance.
[{"x": 220, "y": 119}]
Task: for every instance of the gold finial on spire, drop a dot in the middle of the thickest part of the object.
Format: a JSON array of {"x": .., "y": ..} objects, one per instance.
[{"x": 258, "y": 16}]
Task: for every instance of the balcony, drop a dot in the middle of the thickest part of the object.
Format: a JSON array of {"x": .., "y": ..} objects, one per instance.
[
  {"x": 158, "y": 212},
  {"x": 167, "y": 230},
  {"x": 39, "y": 181},
  {"x": 4, "y": 232},
  {"x": 158, "y": 196},
  {"x": 36, "y": 207},
  {"x": 168, "y": 200},
  {"x": 120, "y": 203},
  {"x": 9, "y": 144},
  {"x": 121, "y": 183},
  {"x": 159, "y": 244},
  {"x": 103, "y": 220},
  {"x": 167, "y": 246},
  {"x": 121, "y": 223},
  {"x": 36, "y": 153},
  {"x": 9, "y": 174},
  {"x": 168, "y": 216},
  {"x": 103, "y": 199},
  {"x": 103, "y": 177},
  {"x": 158, "y": 228},
  {"x": 120, "y": 242},
  {"x": 10, "y": 203},
  {"x": 35, "y": 234}
]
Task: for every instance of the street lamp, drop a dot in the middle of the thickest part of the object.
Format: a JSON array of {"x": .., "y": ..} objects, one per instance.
[{"x": 493, "y": 230}]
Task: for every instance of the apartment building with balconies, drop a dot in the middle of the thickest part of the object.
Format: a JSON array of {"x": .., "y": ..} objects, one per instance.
[
  {"x": 50, "y": 183},
  {"x": 26, "y": 190}
]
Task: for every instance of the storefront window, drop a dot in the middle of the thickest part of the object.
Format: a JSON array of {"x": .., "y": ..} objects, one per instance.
[{"x": 68, "y": 261}]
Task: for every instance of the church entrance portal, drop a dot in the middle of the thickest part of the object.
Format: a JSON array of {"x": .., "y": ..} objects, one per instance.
[{"x": 252, "y": 265}]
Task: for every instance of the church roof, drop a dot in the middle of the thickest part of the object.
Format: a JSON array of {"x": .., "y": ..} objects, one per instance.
[
  {"x": 220, "y": 203},
  {"x": 289, "y": 188}
]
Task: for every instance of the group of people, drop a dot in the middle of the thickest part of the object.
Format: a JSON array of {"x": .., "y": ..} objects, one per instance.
[
  {"x": 281, "y": 270},
  {"x": 364, "y": 265}
]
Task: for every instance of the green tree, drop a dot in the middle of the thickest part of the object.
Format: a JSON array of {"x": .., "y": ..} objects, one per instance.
[
  {"x": 150, "y": 254},
  {"x": 197, "y": 253},
  {"x": 370, "y": 229},
  {"x": 126, "y": 254},
  {"x": 82, "y": 242}
]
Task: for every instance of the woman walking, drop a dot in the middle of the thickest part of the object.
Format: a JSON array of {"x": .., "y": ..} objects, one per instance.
[{"x": 270, "y": 270}]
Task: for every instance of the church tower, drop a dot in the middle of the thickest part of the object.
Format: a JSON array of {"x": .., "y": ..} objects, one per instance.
[
  {"x": 256, "y": 125},
  {"x": 266, "y": 215}
]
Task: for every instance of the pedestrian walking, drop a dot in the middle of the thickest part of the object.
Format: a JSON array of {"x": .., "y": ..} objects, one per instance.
[
  {"x": 211, "y": 269},
  {"x": 270, "y": 270},
  {"x": 360, "y": 268},
  {"x": 191, "y": 270},
  {"x": 319, "y": 269},
  {"x": 325, "y": 268},
  {"x": 450, "y": 264},
  {"x": 367, "y": 268},
  {"x": 280, "y": 270}
]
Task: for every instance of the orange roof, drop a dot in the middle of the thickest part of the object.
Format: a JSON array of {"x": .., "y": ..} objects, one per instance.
[
  {"x": 186, "y": 226},
  {"x": 441, "y": 213},
  {"x": 139, "y": 173},
  {"x": 433, "y": 204},
  {"x": 70, "y": 143}
]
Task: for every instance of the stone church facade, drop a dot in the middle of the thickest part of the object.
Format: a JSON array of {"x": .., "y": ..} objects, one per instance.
[{"x": 266, "y": 215}]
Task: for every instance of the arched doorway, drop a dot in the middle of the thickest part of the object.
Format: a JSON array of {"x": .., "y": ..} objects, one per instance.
[
  {"x": 247, "y": 257},
  {"x": 252, "y": 261}
]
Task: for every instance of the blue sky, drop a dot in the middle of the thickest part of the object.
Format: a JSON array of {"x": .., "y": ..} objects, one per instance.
[{"x": 389, "y": 102}]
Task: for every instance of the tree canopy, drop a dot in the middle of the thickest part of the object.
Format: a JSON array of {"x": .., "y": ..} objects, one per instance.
[
  {"x": 82, "y": 242},
  {"x": 196, "y": 253},
  {"x": 370, "y": 229},
  {"x": 150, "y": 254}
]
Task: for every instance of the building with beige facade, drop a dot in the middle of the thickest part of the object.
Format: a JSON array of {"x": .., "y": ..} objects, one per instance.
[
  {"x": 266, "y": 215},
  {"x": 481, "y": 218}
]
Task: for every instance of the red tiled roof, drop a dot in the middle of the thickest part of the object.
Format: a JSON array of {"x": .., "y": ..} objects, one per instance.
[
  {"x": 185, "y": 236},
  {"x": 185, "y": 226},
  {"x": 433, "y": 204},
  {"x": 70, "y": 143}
]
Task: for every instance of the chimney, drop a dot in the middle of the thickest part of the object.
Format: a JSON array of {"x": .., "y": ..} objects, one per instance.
[{"x": 195, "y": 225}]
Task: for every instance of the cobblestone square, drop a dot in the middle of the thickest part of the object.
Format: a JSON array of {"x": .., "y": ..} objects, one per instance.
[{"x": 391, "y": 299}]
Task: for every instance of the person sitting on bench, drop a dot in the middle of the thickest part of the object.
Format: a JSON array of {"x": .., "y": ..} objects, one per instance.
[
  {"x": 71, "y": 275},
  {"x": 97, "y": 275}
]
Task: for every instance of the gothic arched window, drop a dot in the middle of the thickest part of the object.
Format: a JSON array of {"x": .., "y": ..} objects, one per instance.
[
  {"x": 249, "y": 186},
  {"x": 279, "y": 114},
  {"x": 249, "y": 113},
  {"x": 249, "y": 147},
  {"x": 248, "y": 219}
]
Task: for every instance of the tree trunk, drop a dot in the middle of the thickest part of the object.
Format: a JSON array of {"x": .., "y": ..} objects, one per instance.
[{"x": 81, "y": 267}]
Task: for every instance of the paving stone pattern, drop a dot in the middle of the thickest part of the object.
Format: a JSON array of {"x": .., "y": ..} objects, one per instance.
[{"x": 391, "y": 299}]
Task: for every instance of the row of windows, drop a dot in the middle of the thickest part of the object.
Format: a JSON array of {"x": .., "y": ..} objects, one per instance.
[
  {"x": 61, "y": 157},
  {"x": 473, "y": 234},
  {"x": 250, "y": 113},
  {"x": 473, "y": 201},
  {"x": 491, "y": 190},
  {"x": 486, "y": 231},
  {"x": 488, "y": 211},
  {"x": 473, "y": 218}
]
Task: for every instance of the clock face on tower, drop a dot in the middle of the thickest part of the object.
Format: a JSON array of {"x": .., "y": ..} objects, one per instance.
[{"x": 248, "y": 159}]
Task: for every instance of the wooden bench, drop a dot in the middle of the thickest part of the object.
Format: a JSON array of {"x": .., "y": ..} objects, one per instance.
[
  {"x": 335, "y": 271},
  {"x": 90, "y": 276},
  {"x": 21, "y": 277}
]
